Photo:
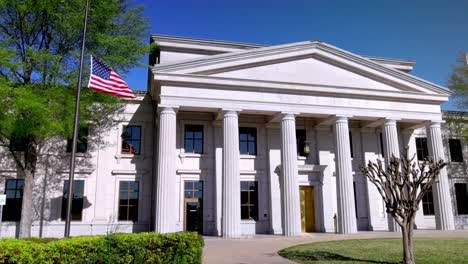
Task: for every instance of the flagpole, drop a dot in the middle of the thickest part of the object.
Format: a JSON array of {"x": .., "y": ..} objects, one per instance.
[{"x": 75, "y": 127}]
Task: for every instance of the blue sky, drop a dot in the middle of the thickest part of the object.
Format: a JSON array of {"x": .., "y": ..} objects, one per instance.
[{"x": 430, "y": 32}]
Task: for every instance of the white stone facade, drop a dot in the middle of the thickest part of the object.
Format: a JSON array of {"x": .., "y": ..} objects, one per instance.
[{"x": 350, "y": 109}]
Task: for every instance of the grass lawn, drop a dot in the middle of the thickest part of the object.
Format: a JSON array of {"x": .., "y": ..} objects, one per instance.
[{"x": 379, "y": 251}]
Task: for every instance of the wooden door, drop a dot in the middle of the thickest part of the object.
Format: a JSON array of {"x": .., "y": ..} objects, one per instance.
[{"x": 307, "y": 208}]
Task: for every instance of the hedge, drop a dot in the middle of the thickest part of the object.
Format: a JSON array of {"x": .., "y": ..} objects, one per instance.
[{"x": 184, "y": 247}]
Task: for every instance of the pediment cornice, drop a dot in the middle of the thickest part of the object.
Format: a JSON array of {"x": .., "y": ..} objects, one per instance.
[{"x": 299, "y": 50}]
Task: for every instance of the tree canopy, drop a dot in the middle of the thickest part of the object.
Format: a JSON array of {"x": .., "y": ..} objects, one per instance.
[
  {"x": 458, "y": 82},
  {"x": 40, "y": 43}
]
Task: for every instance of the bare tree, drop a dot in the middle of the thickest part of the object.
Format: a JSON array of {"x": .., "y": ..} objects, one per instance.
[{"x": 402, "y": 186}]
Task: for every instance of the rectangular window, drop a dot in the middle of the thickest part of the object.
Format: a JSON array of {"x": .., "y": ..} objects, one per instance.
[
  {"x": 128, "y": 201},
  {"x": 300, "y": 141},
  {"x": 77, "y": 200},
  {"x": 248, "y": 140},
  {"x": 131, "y": 140},
  {"x": 382, "y": 145},
  {"x": 249, "y": 200},
  {"x": 14, "y": 200},
  {"x": 193, "y": 139},
  {"x": 421, "y": 148},
  {"x": 193, "y": 189},
  {"x": 82, "y": 141},
  {"x": 456, "y": 153},
  {"x": 428, "y": 202},
  {"x": 461, "y": 194},
  {"x": 351, "y": 144}
]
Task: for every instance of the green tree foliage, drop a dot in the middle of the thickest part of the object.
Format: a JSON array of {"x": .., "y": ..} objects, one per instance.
[
  {"x": 40, "y": 43},
  {"x": 458, "y": 82}
]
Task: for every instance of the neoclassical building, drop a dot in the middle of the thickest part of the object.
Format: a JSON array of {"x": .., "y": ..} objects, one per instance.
[{"x": 236, "y": 139}]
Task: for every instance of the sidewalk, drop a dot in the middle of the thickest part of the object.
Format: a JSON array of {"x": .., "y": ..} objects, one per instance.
[{"x": 264, "y": 248}]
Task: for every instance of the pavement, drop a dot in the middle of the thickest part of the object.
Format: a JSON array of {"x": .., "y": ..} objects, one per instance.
[{"x": 264, "y": 248}]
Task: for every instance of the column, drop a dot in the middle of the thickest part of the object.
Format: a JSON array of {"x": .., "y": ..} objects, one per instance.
[
  {"x": 290, "y": 187},
  {"x": 344, "y": 178},
  {"x": 231, "y": 178},
  {"x": 391, "y": 148},
  {"x": 441, "y": 190},
  {"x": 166, "y": 199}
]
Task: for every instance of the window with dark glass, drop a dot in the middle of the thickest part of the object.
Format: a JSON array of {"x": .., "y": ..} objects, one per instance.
[
  {"x": 300, "y": 141},
  {"x": 193, "y": 139},
  {"x": 82, "y": 141},
  {"x": 14, "y": 200},
  {"x": 193, "y": 189},
  {"x": 461, "y": 194},
  {"x": 77, "y": 200},
  {"x": 382, "y": 145},
  {"x": 249, "y": 200},
  {"x": 456, "y": 153},
  {"x": 428, "y": 202},
  {"x": 351, "y": 144},
  {"x": 131, "y": 140},
  {"x": 128, "y": 201},
  {"x": 248, "y": 140},
  {"x": 421, "y": 148}
]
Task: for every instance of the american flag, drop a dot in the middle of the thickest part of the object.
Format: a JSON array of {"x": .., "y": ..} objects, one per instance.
[{"x": 103, "y": 79}]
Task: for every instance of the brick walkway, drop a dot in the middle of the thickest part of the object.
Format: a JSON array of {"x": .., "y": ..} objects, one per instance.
[{"x": 264, "y": 248}]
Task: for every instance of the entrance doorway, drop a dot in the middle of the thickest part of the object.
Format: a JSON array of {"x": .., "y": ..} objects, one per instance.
[
  {"x": 193, "y": 203},
  {"x": 307, "y": 208}
]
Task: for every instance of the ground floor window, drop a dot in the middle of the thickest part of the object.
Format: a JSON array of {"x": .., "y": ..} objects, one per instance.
[
  {"x": 14, "y": 200},
  {"x": 249, "y": 200},
  {"x": 77, "y": 200},
  {"x": 428, "y": 202},
  {"x": 461, "y": 195},
  {"x": 128, "y": 201}
]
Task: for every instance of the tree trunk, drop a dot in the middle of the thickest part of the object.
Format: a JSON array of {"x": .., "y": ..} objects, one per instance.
[
  {"x": 27, "y": 205},
  {"x": 408, "y": 253}
]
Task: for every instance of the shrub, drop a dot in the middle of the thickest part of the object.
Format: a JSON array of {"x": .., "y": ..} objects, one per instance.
[{"x": 184, "y": 247}]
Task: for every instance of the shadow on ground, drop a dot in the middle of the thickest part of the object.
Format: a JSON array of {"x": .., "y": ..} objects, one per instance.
[{"x": 312, "y": 255}]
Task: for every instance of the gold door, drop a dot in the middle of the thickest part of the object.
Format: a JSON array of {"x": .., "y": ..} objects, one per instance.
[{"x": 307, "y": 208}]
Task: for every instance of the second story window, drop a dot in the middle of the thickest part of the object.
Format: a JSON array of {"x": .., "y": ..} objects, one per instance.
[
  {"x": 300, "y": 142},
  {"x": 14, "y": 200},
  {"x": 248, "y": 140},
  {"x": 455, "y": 147},
  {"x": 421, "y": 148},
  {"x": 82, "y": 141},
  {"x": 131, "y": 140},
  {"x": 351, "y": 144},
  {"x": 193, "y": 139}
]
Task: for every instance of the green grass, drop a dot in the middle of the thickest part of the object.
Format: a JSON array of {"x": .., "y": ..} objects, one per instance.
[{"x": 379, "y": 251}]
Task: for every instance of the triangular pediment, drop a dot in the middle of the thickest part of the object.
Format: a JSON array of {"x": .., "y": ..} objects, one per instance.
[{"x": 310, "y": 63}]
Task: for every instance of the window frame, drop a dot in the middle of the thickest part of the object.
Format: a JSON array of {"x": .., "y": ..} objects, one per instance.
[
  {"x": 63, "y": 211},
  {"x": 129, "y": 217},
  {"x": 250, "y": 204},
  {"x": 82, "y": 141},
  {"x": 462, "y": 203},
  {"x": 122, "y": 140},
  {"x": 255, "y": 141},
  {"x": 427, "y": 202},
  {"x": 458, "y": 151},
  {"x": 17, "y": 207},
  {"x": 424, "y": 149},
  {"x": 193, "y": 139}
]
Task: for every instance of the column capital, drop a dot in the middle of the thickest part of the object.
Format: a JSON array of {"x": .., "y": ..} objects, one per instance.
[
  {"x": 288, "y": 115},
  {"x": 434, "y": 123},
  {"x": 390, "y": 121},
  {"x": 167, "y": 109},
  {"x": 342, "y": 118},
  {"x": 230, "y": 112}
]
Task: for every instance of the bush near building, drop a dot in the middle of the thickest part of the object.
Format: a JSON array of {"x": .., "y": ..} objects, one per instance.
[{"x": 184, "y": 247}]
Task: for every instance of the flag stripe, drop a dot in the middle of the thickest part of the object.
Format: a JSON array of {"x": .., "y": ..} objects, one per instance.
[
  {"x": 100, "y": 86},
  {"x": 104, "y": 90},
  {"x": 115, "y": 86}
]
